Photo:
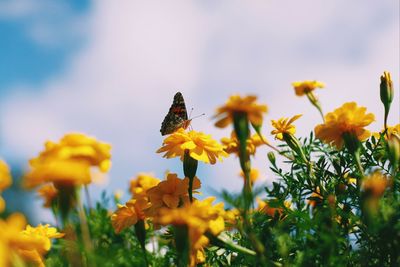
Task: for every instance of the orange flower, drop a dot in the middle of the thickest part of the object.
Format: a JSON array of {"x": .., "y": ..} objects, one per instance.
[
  {"x": 284, "y": 125},
  {"x": 231, "y": 145},
  {"x": 129, "y": 214},
  {"x": 238, "y": 104},
  {"x": 142, "y": 183},
  {"x": 198, "y": 217},
  {"x": 200, "y": 146},
  {"x": 68, "y": 162},
  {"x": 303, "y": 87},
  {"x": 349, "y": 119},
  {"x": 170, "y": 193},
  {"x": 375, "y": 184}
]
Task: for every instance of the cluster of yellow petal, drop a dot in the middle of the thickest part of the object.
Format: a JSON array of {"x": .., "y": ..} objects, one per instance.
[
  {"x": 303, "y": 87},
  {"x": 170, "y": 193},
  {"x": 198, "y": 217},
  {"x": 231, "y": 145},
  {"x": 69, "y": 161},
  {"x": 375, "y": 184},
  {"x": 5, "y": 182},
  {"x": 349, "y": 118},
  {"x": 238, "y": 104},
  {"x": 28, "y": 245},
  {"x": 49, "y": 194},
  {"x": 141, "y": 183},
  {"x": 254, "y": 175},
  {"x": 284, "y": 125},
  {"x": 199, "y": 145},
  {"x": 391, "y": 130},
  {"x": 129, "y": 214}
]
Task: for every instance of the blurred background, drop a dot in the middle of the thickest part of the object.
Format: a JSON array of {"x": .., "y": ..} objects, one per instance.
[{"x": 110, "y": 69}]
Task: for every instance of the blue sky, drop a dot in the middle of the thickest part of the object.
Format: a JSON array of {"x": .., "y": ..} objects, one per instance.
[{"x": 111, "y": 69}]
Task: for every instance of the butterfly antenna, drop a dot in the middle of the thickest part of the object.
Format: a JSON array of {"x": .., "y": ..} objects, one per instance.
[
  {"x": 190, "y": 114},
  {"x": 198, "y": 116}
]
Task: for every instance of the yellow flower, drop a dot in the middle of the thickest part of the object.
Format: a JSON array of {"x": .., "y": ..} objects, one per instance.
[
  {"x": 375, "y": 184},
  {"x": 170, "y": 193},
  {"x": 200, "y": 146},
  {"x": 129, "y": 214},
  {"x": 198, "y": 217},
  {"x": 49, "y": 193},
  {"x": 350, "y": 119},
  {"x": 44, "y": 233},
  {"x": 391, "y": 130},
  {"x": 303, "y": 87},
  {"x": 231, "y": 145},
  {"x": 254, "y": 175},
  {"x": 28, "y": 245},
  {"x": 80, "y": 147},
  {"x": 5, "y": 182},
  {"x": 69, "y": 161},
  {"x": 142, "y": 183},
  {"x": 284, "y": 125},
  {"x": 238, "y": 104}
]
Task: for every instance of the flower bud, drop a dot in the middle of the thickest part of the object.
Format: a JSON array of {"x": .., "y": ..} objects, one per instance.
[
  {"x": 189, "y": 169},
  {"x": 386, "y": 92},
  {"x": 294, "y": 144},
  {"x": 393, "y": 145},
  {"x": 271, "y": 158}
]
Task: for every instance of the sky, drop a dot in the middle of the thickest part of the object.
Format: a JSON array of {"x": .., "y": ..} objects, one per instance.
[{"x": 110, "y": 69}]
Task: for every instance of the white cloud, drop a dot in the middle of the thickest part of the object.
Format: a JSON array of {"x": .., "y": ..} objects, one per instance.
[{"x": 120, "y": 85}]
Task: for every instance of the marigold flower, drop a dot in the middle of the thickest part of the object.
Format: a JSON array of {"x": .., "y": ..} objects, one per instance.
[
  {"x": 265, "y": 207},
  {"x": 303, "y": 87},
  {"x": 348, "y": 119},
  {"x": 129, "y": 214},
  {"x": 29, "y": 244},
  {"x": 391, "y": 130},
  {"x": 5, "y": 181},
  {"x": 284, "y": 125},
  {"x": 49, "y": 193},
  {"x": 238, "y": 104},
  {"x": 199, "y": 217},
  {"x": 317, "y": 198},
  {"x": 200, "y": 146},
  {"x": 231, "y": 145},
  {"x": 142, "y": 183},
  {"x": 170, "y": 193},
  {"x": 44, "y": 233},
  {"x": 69, "y": 161},
  {"x": 375, "y": 184},
  {"x": 254, "y": 175}
]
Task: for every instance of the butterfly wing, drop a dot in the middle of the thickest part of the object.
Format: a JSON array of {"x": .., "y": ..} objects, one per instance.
[{"x": 176, "y": 117}]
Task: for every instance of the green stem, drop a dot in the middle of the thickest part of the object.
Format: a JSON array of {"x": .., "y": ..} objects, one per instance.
[
  {"x": 222, "y": 240},
  {"x": 87, "y": 242}
]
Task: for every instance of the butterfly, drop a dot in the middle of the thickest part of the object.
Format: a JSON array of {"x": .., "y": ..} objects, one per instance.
[{"x": 177, "y": 116}]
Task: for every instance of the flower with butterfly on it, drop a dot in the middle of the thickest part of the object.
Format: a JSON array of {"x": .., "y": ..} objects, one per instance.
[{"x": 200, "y": 146}]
